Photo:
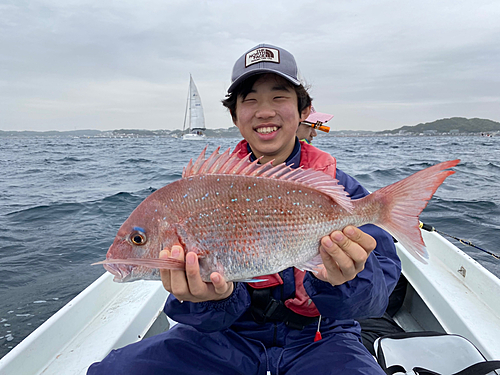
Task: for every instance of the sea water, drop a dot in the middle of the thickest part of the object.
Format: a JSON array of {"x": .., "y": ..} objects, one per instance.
[{"x": 63, "y": 199}]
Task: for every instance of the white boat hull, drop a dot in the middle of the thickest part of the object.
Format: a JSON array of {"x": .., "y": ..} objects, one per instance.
[
  {"x": 109, "y": 315},
  {"x": 105, "y": 316},
  {"x": 459, "y": 293},
  {"x": 194, "y": 137}
]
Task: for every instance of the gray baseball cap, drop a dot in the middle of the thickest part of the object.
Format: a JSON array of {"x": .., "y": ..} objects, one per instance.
[{"x": 262, "y": 59}]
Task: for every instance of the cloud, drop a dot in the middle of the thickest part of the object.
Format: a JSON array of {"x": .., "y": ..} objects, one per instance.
[{"x": 374, "y": 65}]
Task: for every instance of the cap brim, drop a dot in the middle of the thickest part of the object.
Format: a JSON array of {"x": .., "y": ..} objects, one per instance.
[
  {"x": 243, "y": 77},
  {"x": 318, "y": 116}
]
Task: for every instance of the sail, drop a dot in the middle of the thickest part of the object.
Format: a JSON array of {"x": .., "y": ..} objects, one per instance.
[{"x": 195, "y": 108}]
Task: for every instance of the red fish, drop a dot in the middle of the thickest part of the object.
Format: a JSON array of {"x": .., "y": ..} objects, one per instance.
[{"x": 245, "y": 219}]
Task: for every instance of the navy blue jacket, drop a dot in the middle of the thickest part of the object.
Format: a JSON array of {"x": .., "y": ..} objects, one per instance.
[{"x": 365, "y": 296}]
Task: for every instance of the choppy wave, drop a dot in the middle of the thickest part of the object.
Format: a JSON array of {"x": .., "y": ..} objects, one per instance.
[{"x": 63, "y": 201}]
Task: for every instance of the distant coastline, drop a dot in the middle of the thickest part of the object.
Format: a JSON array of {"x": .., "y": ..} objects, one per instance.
[{"x": 455, "y": 126}]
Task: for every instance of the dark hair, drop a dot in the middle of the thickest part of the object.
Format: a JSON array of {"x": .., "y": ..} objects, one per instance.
[{"x": 244, "y": 88}]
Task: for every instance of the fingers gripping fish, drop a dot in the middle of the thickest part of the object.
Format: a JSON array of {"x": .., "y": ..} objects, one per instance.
[{"x": 244, "y": 219}]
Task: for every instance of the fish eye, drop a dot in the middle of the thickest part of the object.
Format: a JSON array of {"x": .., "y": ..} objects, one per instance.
[{"x": 138, "y": 238}]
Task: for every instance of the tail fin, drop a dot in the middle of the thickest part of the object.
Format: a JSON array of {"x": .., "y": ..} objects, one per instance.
[{"x": 403, "y": 201}]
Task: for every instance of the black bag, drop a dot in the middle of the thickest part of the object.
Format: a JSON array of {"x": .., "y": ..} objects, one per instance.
[{"x": 431, "y": 353}]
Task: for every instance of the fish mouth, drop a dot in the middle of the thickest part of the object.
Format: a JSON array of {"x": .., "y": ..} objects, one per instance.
[{"x": 121, "y": 272}]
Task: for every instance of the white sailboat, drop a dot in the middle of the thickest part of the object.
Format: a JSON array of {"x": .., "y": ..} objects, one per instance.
[{"x": 194, "y": 119}]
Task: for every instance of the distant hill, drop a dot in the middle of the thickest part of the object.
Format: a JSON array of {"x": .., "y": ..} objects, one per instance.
[
  {"x": 53, "y": 133},
  {"x": 211, "y": 133},
  {"x": 450, "y": 125}
]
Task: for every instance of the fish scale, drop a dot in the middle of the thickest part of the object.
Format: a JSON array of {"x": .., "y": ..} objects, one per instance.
[
  {"x": 246, "y": 220},
  {"x": 243, "y": 218}
]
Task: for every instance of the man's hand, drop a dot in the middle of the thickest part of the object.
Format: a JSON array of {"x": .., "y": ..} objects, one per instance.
[
  {"x": 187, "y": 285},
  {"x": 344, "y": 255}
]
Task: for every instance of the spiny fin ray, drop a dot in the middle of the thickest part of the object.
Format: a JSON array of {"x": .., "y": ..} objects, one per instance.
[{"x": 227, "y": 163}]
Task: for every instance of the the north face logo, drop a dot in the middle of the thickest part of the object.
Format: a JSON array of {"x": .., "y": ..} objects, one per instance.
[{"x": 262, "y": 54}]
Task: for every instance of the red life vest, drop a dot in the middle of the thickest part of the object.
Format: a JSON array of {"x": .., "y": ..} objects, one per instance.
[{"x": 310, "y": 158}]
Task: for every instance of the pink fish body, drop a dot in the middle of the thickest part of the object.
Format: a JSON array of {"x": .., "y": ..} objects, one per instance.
[{"x": 245, "y": 220}]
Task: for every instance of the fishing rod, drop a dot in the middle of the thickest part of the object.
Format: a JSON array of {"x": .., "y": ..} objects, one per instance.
[{"x": 430, "y": 228}]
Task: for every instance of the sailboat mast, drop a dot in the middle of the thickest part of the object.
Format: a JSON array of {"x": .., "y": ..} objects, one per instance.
[{"x": 188, "y": 105}]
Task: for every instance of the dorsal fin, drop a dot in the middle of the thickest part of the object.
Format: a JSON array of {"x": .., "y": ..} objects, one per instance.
[{"x": 227, "y": 163}]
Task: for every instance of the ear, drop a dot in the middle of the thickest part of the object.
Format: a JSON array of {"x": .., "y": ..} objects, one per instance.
[{"x": 305, "y": 113}]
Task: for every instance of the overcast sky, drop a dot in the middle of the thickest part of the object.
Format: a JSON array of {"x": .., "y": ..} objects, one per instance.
[{"x": 374, "y": 65}]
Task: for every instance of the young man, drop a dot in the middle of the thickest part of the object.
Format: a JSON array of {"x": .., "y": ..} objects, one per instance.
[
  {"x": 269, "y": 327},
  {"x": 307, "y": 129},
  {"x": 306, "y": 133}
]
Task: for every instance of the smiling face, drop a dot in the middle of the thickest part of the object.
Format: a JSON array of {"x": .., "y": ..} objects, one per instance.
[{"x": 268, "y": 117}]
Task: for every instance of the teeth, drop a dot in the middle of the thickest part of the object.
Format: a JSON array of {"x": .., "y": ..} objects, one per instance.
[{"x": 267, "y": 130}]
